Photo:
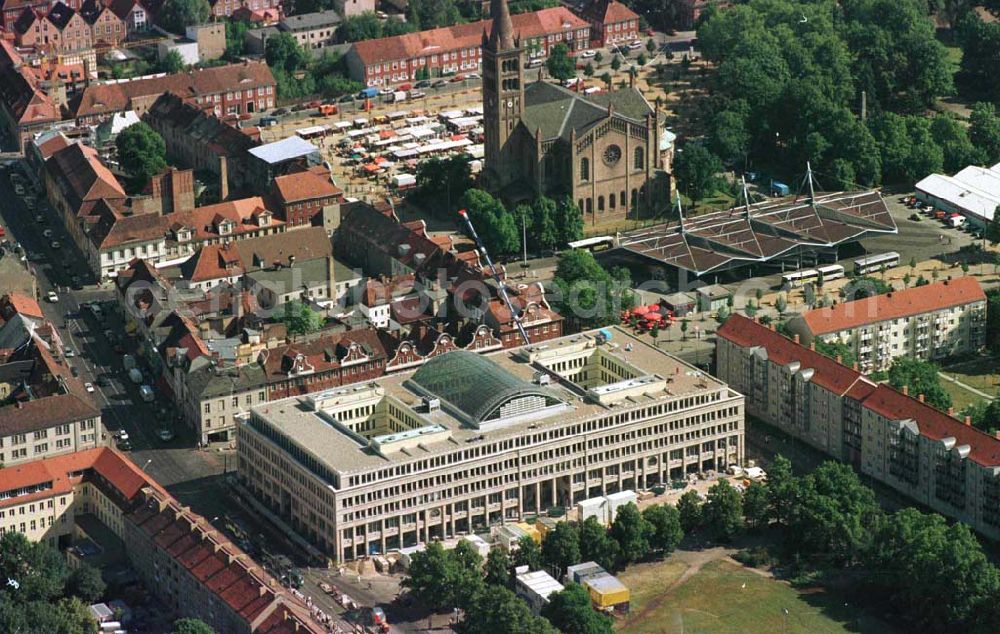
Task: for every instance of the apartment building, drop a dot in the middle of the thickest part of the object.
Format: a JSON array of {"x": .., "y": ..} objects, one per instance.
[
  {"x": 46, "y": 411},
  {"x": 793, "y": 387},
  {"x": 230, "y": 89},
  {"x": 889, "y": 435},
  {"x": 927, "y": 322},
  {"x": 313, "y": 31},
  {"x": 456, "y": 49},
  {"x": 194, "y": 570},
  {"x": 469, "y": 441}
]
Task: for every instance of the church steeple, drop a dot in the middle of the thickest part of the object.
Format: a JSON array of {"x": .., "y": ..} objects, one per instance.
[
  {"x": 503, "y": 95},
  {"x": 502, "y": 32}
]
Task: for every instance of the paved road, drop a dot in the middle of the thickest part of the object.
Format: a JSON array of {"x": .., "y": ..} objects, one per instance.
[{"x": 169, "y": 463}]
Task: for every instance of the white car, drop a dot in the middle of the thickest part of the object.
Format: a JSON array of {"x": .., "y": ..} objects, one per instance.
[
  {"x": 89, "y": 387},
  {"x": 588, "y": 54},
  {"x": 55, "y": 244},
  {"x": 19, "y": 189},
  {"x": 634, "y": 45},
  {"x": 69, "y": 353},
  {"x": 52, "y": 297},
  {"x": 166, "y": 435},
  {"x": 47, "y": 233},
  {"x": 121, "y": 434},
  {"x": 473, "y": 76}
]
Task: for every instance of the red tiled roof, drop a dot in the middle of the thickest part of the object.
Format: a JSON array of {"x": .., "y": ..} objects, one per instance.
[
  {"x": 435, "y": 41},
  {"x": 102, "y": 99},
  {"x": 935, "y": 424},
  {"x": 618, "y": 12},
  {"x": 87, "y": 179},
  {"x": 307, "y": 185},
  {"x": 118, "y": 470},
  {"x": 829, "y": 374},
  {"x": 20, "y": 305},
  {"x": 904, "y": 303}
]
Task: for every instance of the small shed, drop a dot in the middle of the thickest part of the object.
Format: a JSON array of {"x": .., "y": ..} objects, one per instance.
[
  {"x": 618, "y": 500},
  {"x": 594, "y": 507},
  {"x": 681, "y": 303},
  {"x": 713, "y": 297},
  {"x": 480, "y": 544}
]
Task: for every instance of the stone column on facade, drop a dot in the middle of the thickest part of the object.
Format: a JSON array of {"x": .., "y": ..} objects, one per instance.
[
  {"x": 539, "y": 163},
  {"x": 538, "y": 498}
]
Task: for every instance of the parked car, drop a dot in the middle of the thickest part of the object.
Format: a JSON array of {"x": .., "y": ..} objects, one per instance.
[
  {"x": 146, "y": 393},
  {"x": 588, "y": 54},
  {"x": 88, "y": 386},
  {"x": 346, "y": 99},
  {"x": 47, "y": 233},
  {"x": 52, "y": 297},
  {"x": 423, "y": 83},
  {"x": 39, "y": 218},
  {"x": 439, "y": 83},
  {"x": 473, "y": 76},
  {"x": 55, "y": 244},
  {"x": 166, "y": 435},
  {"x": 417, "y": 94},
  {"x": 280, "y": 111}
]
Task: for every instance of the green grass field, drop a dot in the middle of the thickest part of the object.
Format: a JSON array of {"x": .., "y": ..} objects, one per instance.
[{"x": 727, "y": 598}]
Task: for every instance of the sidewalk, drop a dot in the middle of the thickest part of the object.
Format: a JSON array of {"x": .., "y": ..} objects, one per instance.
[{"x": 978, "y": 393}]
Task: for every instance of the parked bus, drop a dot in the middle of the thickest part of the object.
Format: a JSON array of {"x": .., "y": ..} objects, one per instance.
[
  {"x": 798, "y": 278},
  {"x": 831, "y": 272},
  {"x": 874, "y": 263}
]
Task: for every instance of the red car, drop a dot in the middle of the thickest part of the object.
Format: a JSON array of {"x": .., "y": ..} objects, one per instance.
[{"x": 458, "y": 78}]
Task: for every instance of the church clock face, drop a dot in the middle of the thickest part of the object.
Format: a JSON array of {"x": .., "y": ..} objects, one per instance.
[{"x": 612, "y": 154}]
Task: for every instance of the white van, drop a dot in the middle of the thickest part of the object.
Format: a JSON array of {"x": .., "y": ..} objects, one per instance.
[{"x": 146, "y": 393}]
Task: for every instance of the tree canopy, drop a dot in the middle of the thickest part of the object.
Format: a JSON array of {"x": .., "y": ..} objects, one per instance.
[
  {"x": 570, "y": 612},
  {"x": 561, "y": 548},
  {"x": 495, "y": 227},
  {"x": 367, "y": 26},
  {"x": 141, "y": 152},
  {"x": 790, "y": 75},
  {"x": 192, "y": 626},
  {"x": 631, "y": 530},
  {"x": 723, "y": 510},
  {"x": 696, "y": 169},
  {"x": 176, "y": 15},
  {"x": 560, "y": 65},
  {"x": 588, "y": 295},
  {"x": 919, "y": 377},
  {"x": 665, "y": 527},
  {"x": 38, "y": 594},
  {"x": 299, "y": 319}
]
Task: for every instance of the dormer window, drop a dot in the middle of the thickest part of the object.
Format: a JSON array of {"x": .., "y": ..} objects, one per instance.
[{"x": 225, "y": 227}]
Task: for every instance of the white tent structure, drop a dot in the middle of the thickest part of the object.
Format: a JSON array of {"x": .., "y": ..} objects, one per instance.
[{"x": 973, "y": 192}]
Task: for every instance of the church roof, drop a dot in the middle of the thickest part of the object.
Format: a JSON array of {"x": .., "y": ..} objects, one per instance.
[{"x": 557, "y": 111}]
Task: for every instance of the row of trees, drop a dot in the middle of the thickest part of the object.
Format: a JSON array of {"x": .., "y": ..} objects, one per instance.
[
  {"x": 933, "y": 575},
  {"x": 459, "y": 578},
  {"x": 919, "y": 377},
  {"x": 790, "y": 78}
]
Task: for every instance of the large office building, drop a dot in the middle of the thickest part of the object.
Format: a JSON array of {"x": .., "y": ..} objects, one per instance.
[
  {"x": 468, "y": 441},
  {"x": 927, "y": 322},
  {"x": 892, "y": 436}
]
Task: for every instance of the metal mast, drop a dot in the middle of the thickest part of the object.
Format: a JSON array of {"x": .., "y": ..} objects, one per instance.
[{"x": 496, "y": 276}]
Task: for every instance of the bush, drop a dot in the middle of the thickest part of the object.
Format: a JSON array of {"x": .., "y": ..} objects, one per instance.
[{"x": 756, "y": 557}]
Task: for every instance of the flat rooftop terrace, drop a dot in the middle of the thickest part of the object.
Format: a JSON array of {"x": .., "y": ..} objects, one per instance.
[{"x": 312, "y": 424}]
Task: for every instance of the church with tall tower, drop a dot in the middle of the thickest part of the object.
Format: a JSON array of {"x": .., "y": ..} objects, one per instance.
[{"x": 607, "y": 151}]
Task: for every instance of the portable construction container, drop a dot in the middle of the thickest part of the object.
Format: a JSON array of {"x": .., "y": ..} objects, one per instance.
[
  {"x": 594, "y": 507},
  {"x": 618, "y": 500},
  {"x": 606, "y": 591}
]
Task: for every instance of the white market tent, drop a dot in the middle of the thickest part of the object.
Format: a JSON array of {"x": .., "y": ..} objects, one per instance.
[{"x": 973, "y": 192}]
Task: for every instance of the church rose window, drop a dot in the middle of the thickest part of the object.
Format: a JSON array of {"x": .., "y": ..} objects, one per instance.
[{"x": 612, "y": 154}]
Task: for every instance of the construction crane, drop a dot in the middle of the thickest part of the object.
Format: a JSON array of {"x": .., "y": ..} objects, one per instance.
[{"x": 496, "y": 276}]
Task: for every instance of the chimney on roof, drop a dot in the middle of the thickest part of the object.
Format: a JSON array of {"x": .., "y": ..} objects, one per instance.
[
  {"x": 920, "y": 397},
  {"x": 771, "y": 326},
  {"x": 968, "y": 421},
  {"x": 854, "y": 366},
  {"x": 906, "y": 390},
  {"x": 795, "y": 337},
  {"x": 996, "y": 434},
  {"x": 951, "y": 411},
  {"x": 840, "y": 359}
]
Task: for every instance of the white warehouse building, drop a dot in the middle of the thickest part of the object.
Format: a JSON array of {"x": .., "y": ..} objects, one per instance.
[{"x": 973, "y": 192}]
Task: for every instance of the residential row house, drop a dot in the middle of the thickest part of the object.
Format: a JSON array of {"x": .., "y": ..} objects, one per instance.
[
  {"x": 45, "y": 410},
  {"x": 926, "y": 322},
  {"x": 25, "y": 109},
  {"x": 611, "y": 23},
  {"x": 192, "y": 569},
  {"x": 889, "y": 435},
  {"x": 225, "y": 8},
  {"x": 232, "y": 89},
  {"x": 457, "y": 49}
]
